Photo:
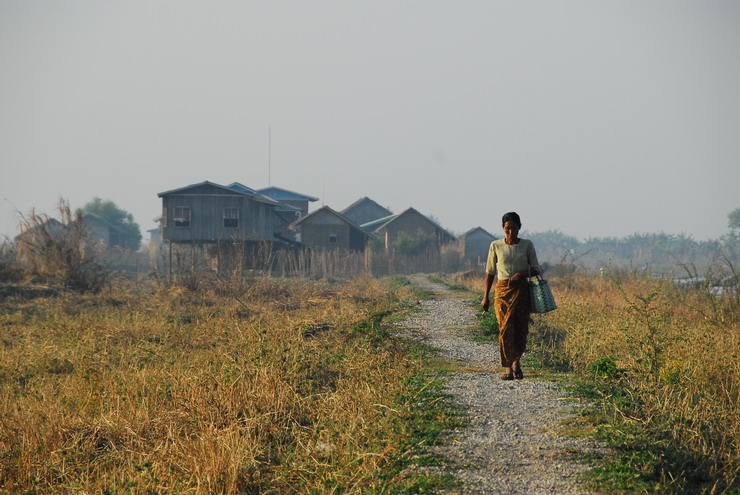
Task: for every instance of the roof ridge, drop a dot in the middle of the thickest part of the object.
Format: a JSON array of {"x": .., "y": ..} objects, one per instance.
[
  {"x": 306, "y": 196},
  {"x": 334, "y": 212}
]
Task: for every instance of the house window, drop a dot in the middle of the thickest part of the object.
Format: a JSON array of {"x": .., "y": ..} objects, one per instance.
[
  {"x": 182, "y": 216},
  {"x": 164, "y": 217},
  {"x": 332, "y": 238},
  {"x": 231, "y": 217}
]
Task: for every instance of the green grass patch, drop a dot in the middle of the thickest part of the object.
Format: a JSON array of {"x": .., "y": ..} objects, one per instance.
[
  {"x": 372, "y": 328},
  {"x": 487, "y": 330},
  {"x": 427, "y": 413},
  {"x": 394, "y": 284},
  {"x": 450, "y": 285},
  {"x": 430, "y": 356}
]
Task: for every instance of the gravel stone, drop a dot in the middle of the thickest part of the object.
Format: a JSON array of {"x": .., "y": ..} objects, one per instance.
[{"x": 514, "y": 442}]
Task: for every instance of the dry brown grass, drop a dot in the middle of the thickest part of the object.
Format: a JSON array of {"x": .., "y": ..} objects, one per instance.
[
  {"x": 678, "y": 349},
  {"x": 198, "y": 392}
]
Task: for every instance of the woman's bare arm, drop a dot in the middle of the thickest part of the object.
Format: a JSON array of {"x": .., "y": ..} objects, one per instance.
[{"x": 486, "y": 303}]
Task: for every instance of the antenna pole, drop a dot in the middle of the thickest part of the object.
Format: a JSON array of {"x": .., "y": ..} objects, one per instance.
[{"x": 269, "y": 156}]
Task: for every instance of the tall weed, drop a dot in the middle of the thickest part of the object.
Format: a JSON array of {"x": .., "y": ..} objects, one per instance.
[{"x": 60, "y": 251}]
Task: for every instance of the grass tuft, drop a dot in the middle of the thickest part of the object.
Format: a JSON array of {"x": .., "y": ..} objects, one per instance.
[{"x": 487, "y": 330}]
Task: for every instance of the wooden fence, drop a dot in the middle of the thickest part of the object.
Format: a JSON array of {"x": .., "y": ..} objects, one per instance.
[{"x": 228, "y": 261}]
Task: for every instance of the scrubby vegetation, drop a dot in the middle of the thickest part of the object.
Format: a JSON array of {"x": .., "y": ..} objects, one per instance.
[{"x": 56, "y": 251}]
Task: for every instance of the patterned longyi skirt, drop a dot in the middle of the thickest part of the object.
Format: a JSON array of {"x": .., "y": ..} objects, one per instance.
[{"x": 512, "y": 307}]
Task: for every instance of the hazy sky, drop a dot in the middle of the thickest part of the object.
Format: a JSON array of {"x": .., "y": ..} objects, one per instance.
[{"x": 598, "y": 118}]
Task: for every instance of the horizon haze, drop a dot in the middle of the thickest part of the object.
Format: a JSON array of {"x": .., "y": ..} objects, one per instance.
[{"x": 597, "y": 119}]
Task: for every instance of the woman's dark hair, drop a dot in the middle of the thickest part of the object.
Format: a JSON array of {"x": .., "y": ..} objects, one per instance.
[{"x": 512, "y": 216}]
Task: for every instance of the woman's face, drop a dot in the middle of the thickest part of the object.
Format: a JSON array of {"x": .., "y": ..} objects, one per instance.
[{"x": 511, "y": 230}]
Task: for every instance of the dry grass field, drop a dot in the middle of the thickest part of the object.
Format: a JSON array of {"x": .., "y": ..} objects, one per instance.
[
  {"x": 669, "y": 360},
  {"x": 277, "y": 387},
  {"x": 663, "y": 365}
]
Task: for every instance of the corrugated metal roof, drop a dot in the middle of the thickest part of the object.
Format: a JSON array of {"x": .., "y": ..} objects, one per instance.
[
  {"x": 382, "y": 222},
  {"x": 277, "y": 204},
  {"x": 364, "y": 199},
  {"x": 335, "y": 213},
  {"x": 236, "y": 186},
  {"x": 375, "y": 224},
  {"x": 284, "y": 195},
  {"x": 262, "y": 198}
]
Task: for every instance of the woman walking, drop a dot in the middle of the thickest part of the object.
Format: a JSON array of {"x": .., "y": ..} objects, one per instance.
[{"x": 511, "y": 260}]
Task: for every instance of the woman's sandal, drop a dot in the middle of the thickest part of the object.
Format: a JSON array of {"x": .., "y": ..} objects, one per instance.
[{"x": 518, "y": 374}]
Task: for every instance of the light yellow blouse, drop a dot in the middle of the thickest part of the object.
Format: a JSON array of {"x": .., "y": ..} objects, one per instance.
[{"x": 506, "y": 260}]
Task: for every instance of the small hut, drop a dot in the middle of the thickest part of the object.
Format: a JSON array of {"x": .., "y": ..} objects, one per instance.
[{"x": 326, "y": 229}]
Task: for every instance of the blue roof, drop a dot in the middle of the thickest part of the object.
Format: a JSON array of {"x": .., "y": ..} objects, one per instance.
[
  {"x": 236, "y": 186},
  {"x": 285, "y": 195}
]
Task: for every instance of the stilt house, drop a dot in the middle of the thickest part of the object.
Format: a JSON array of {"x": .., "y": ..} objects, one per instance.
[{"x": 208, "y": 213}]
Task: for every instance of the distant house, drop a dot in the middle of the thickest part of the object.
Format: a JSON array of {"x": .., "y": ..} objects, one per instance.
[
  {"x": 208, "y": 213},
  {"x": 365, "y": 210},
  {"x": 285, "y": 214},
  {"x": 326, "y": 229},
  {"x": 38, "y": 234},
  {"x": 410, "y": 224},
  {"x": 102, "y": 231},
  {"x": 95, "y": 230},
  {"x": 475, "y": 243},
  {"x": 290, "y": 198}
]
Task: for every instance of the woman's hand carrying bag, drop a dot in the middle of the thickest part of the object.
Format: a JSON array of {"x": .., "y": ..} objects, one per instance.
[{"x": 541, "y": 295}]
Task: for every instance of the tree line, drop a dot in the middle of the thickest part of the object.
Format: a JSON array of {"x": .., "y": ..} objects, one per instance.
[{"x": 658, "y": 253}]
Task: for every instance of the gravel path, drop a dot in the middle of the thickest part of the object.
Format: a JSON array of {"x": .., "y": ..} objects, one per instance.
[{"x": 513, "y": 443}]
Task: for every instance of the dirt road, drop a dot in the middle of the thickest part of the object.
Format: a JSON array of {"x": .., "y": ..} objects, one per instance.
[{"x": 514, "y": 443}]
